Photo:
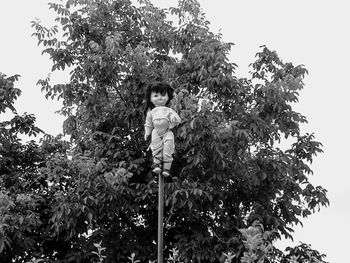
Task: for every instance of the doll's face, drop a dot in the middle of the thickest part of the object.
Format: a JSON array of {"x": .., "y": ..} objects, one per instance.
[{"x": 159, "y": 99}]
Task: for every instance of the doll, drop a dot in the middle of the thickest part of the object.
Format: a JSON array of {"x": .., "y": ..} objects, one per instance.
[{"x": 159, "y": 120}]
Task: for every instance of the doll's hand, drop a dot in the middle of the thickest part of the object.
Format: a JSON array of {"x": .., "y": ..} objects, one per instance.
[
  {"x": 146, "y": 137},
  {"x": 175, "y": 119}
]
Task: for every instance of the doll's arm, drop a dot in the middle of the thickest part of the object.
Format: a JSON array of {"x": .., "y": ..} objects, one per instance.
[
  {"x": 174, "y": 118},
  {"x": 148, "y": 131},
  {"x": 148, "y": 125}
]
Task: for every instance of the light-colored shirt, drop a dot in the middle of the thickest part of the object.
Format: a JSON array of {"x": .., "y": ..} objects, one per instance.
[{"x": 162, "y": 118}]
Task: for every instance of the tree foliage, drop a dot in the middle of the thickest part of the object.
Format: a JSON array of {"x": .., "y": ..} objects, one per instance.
[
  {"x": 24, "y": 193},
  {"x": 60, "y": 198}
]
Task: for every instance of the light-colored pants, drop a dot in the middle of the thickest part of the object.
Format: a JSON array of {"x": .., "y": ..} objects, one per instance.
[{"x": 162, "y": 149}]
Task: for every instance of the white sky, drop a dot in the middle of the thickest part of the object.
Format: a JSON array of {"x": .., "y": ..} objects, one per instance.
[{"x": 313, "y": 32}]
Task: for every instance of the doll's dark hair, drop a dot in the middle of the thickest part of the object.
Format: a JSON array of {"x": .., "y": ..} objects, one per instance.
[{"x": 158, "y": 87}]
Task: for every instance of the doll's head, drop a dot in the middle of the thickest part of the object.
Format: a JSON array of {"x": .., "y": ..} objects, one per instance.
[{"x": 158, "y": 94}]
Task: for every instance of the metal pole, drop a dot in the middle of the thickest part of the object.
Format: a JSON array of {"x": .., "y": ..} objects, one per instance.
[{"x": 160, "y": 217}]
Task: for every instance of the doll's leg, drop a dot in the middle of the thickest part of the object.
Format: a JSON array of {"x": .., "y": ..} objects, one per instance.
[
  {"x": 157, "y": 148},
  {"x": 168, "y": 151}
]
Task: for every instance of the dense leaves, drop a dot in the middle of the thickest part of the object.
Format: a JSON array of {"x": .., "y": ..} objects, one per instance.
[{"x": 60, "y": 198}]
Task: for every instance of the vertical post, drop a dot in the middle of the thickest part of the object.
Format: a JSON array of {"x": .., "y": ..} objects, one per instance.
[{"x": 160, "y": 217}]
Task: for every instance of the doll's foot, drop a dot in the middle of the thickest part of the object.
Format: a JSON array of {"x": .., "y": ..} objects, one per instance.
[
  {"x": 157, "y": 170},
  {"x": 166, "y": 173}
]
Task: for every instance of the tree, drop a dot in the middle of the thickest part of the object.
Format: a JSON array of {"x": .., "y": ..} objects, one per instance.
[
  {"x": 229, "y": 169},
  {"x": 24, "y": 201}
]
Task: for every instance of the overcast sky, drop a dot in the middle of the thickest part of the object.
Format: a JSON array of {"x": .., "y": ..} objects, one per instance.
[{"x": 313, "y": 32}]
